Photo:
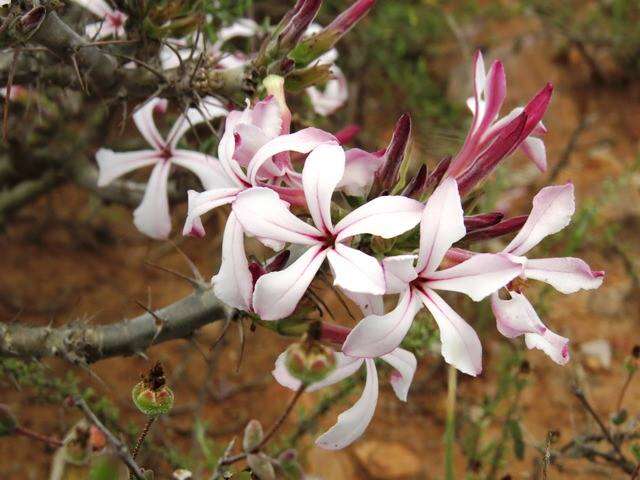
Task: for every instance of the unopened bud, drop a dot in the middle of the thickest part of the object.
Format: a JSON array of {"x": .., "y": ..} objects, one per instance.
[
  {"x": 261, "y": 466},
  {"x": 8, "y": 422},
  {"x": 475, "y": 222},
  {"x": 438, "y": 172},
  {"x": 278, "y": 262},
  {"x": 502, "y": 228},
  {"x": 253, "y": 435},
  {"x": 151, "y": 395},
  {"x": 310, "y": 362},
  {"x": 300, "y": 21},
  {"x": 417, "y": 184},
  {"x": 347, "y": 134}
]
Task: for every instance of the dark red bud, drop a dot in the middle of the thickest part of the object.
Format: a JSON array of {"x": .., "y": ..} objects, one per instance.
[
  {"x": 347, "y": 19},
  {"x": 475, "y": 222},
  {"x": 330, "y": 332},
  {"x": 256, "y": 271},
  {"x": 347, "y": 134},
  {"x": 435, "y": 176},
  {"x": 394, "y": 154},
  {"x": 417, "y": 184},
  {"x": 507, "y": 226},
  {"x": 278, "y": 262},
  {"x": 300, "y": 21}
]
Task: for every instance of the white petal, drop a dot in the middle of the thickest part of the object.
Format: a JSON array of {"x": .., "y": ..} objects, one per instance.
[
  {"x": 206, "y": 167},
  {"x": 554, "y": 345},
  {"x": 460, "y": 344},
  {"x": 112, "y": 165},
  {"x": 203, "y": 202},
  {"x": 143, "y": 118},
  {"x": 404, "y": 363},
  {"x": 399, "y": 271},
  {"x": 515, "y": 316},
  {"x": 353, "y": 422},
  {"x": 233, "y": 283},
  {"x": 477, "y": 277},
  {"x": 369, "y": 304},
  {"x": 385, "y": 217},
  {"x": 277, "y": 294},
  {"x": 567, "y": 274},
  {"x": 441, "y": 226},
  {"x": 377, "y": 335},
  {"x": 322, "y": 171},
  {"x": 302, "y": 141},
  {"x": 356, "y": 271},
  {"x": 359, "y": 171},
  {"x": 345, "y": 367},
  {"x": 243, "y": 27},
  {"x": 535, "y": 149},
  {"x": 263, "y": 214},
  {"x": 332, "y": 97},
  {"x": 208, "y": 109},
  {"x": 99, "y": 8},
  {"x": 552, "y": 210},
  {"x": 152, "y": 215}
]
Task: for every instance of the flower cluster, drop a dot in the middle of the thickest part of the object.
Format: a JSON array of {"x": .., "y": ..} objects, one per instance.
[{"x": 346, "y": 212}]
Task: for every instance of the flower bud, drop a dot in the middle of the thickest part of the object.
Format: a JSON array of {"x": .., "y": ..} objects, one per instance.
[
  {"x": 253, "y": 435},
  {"x": 417, "y": 184},
  {"x": 151, "y": 395},
  {"x": 310, "y": 362},
  {"x": 347, "y": 134},
  {"x": 475, "y": 222},
  {"x": 8, "y": 422},
  {"x": 261, "y": 466},
  {"x": 502, "y": 228}
]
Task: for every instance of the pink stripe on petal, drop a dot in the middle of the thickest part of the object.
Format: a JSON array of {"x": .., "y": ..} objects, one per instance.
[
  {"x": 404, "y": 364},
  {"x": 112, "y": 165},
  {"x": 143, "y": 118},
  {"x": 355, "y": 271},
  {"x": 152, "y": 215}
]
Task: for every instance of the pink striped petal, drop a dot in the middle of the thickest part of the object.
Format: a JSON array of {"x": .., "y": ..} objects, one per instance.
[
  {"x": 112, "y": 165},
  {"x": 233, "y": 283},
  {"x": 515, "y": 316},
  {"x": 360, "y": 169},
  {"x": 352, "y": 423},
  {"x": 460, "y": 344},
  {"x": 143, "y": 118},
  {"x": 399, "y": 271},
  {"x": 567, "y": 275},
  {"x": 552, "y": 210},
  {"x": 333, "y": 96},
  {"x": 554, "y": 345},
  {"x": 385, "y": 217},
  {"x": 208, "y": 109},
  {"x": 355, "y": 270},
  {"x": 263, "y": 214},
  {"x": 203, "y": 202},
  {"x": 277, "y": 294},
  {"x": 477, "y": 277},
  {"x": 377, "y": 335},
  {"x": 441, "y": 226},
  {"x": 494, "y": 93},
  {"x": 345, "y": 367},
  {"x": 152, "y": 215},
  {"x": 404, "y": 364},
  {"x": 206, "y": 168},
  {"x": 322, "y": 171},
  {"x": 302, "y": 141}
]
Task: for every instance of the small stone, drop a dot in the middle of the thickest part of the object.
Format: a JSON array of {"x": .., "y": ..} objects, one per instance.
[
  {"x": 597, "y": 354},
  {"x": 387, "y": 460}
]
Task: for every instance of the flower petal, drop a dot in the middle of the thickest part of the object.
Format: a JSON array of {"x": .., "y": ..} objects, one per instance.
[
  {"x": 152, "y": 215},
  {"x": 535, "y": 149},
  {"x": 353, "y": 422},
  {"x": 263, "y": 214},
  {"x": 112, "y": 165},
  {"x": 477, "y": 277},
  {"x": 441, "y": 226},
  {"x": 460, "y": 344},
  {"x": 345, "y": 367},
  {"x": 368, "y": 304},
  {"x": 515, "y": 316},
  {"x": 332, "y": 97},
  {"x": 359, "y": 171},
  {"x": 322, "y": 171},
  {"x": 206, "y": 167},
  {"x": 208, "y": 109},
  {"x": 567, "y": 274},
  {"x": 277, "y": 294},
  {"x": 554, "y": 345},
  {"x": 302, "y": 141},
  {"x": 356, "y": 271},
  {"x": 552, "y": 210},
  {"x": 203, "y": 202},
  {"x": 143, "y": 118},
  {"x": 399, "y": 271},
  {"x": 404, "y": 363},
  {"x": 377, "y": 335},
  {"x": 233, "y": 283},
  {"x": 385, "y": 217},
  {"x": 100, "y": 8}
]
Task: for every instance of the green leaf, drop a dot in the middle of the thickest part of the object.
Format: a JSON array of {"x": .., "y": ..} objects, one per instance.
[{"x": 516, "y": 435}]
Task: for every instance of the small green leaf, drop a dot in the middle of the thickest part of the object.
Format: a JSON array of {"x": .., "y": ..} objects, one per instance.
[{"x": 516, "y": 435}]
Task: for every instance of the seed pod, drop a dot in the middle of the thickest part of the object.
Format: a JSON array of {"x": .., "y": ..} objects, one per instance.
[
  {"x": 151, "y": 395},
  {"x": 253, "y": 435},
  {"x": 310, "y": 362}
]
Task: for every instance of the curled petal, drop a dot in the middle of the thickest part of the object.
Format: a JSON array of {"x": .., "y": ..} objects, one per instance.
[
  {"x": 554, "y": 345},
  {"x": 322, "y": 171},
  {"x": 385, "y": 217},
  {"x": 203, "y": 202},
  {"x": 441, "y": 226},
  {"x": 460, "y": 344},
  {"x": 552, "y": 210},
  {"x": 355, "y": 271},
  {"x": 360, "y": 169},
  {"x": 477, "y": 277},
  {"x": 334, "y": 95},
  {"x": 567, "y": 275},
  {"x": 263, "y": 214},
  {"x": 535, "y": 149},
  {"x": 353, "y": 422},
  {"x": 399, "y": 271},
  {"x": 206, "y": 167},
  {"x": 112, "y": 165},
  {"x": 377, "y": 335},
  {"x": 515, "y": 316},
  {"x": 345, "y": 367},
  {"x": 152, "y": 215},
  {"x": 302, "y": 141},
  {"x": 143, "y": 118},
  {"x": 277, "y": 294},
  {"x": 404, "y": 363},
  {"x": 233, "y": 283}
]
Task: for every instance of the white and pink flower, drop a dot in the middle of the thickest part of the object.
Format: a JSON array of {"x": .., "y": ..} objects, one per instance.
[{"x": 111, "y": 22}]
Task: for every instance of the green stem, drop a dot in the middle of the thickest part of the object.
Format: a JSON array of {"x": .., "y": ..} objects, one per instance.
[{"x": 450, "y": 426}]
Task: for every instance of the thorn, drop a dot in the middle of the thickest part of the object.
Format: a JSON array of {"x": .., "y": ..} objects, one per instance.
[
  {"x": 196, "y": 273},
  {"x": 74, "y": 60},
  {"x": 241, "y": 334},
  {"x": 159, "y": 321},
  {"x": 198, "y": 285}
]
